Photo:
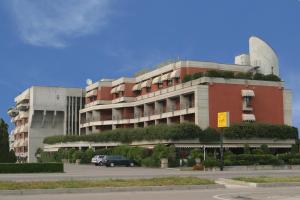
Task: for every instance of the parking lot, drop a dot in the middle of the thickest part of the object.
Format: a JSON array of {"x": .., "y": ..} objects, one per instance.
[{"x": 91, "y": 172}]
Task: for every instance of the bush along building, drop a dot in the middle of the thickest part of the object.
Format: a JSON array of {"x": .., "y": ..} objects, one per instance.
[
  {"x": 190, "y": 92},
  {"x": 42, "y": 112}
]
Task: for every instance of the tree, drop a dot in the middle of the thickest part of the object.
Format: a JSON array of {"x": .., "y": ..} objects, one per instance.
[{"x": 4, "y": 145}]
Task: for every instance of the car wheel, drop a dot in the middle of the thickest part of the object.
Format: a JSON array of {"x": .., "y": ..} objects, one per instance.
[
  {"x": 96, "y": 164},
  {"x": 112, "y": 164}
]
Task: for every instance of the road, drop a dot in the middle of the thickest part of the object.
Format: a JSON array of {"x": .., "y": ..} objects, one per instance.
[
  {"x": 289, "y": 193},
  {"x": 89, "y": 172}
]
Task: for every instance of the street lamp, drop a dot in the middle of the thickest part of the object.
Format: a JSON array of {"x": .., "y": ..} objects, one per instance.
[{"x": 223, "y": 122}]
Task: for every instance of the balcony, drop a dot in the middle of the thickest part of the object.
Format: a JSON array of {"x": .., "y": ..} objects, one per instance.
[
  {"x": 24, "y": 115},
  {"x": 98, "y": 102},
  {"x": 24, "y": 129},
  {"x": 12, "y": 112},
  {"x": 123, "y": 99},
  {"x": 23, "y": 106},
  {"x": 91, "y": 93}
]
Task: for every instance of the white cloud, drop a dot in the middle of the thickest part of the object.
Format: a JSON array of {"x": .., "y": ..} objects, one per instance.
[{"x": 53, "y": 22}]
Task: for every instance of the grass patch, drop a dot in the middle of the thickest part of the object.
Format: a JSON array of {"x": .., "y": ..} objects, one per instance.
[
  {"x": 267, "y": 179},
  {"x": 165, "y": 181}
]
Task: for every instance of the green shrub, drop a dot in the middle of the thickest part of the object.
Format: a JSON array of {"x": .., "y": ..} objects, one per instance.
[
  {"x": 289, "y": 158},
  {"x": 31, "y": 168},
  {"x": 197, "y": 75},
  {"x": 103, "y": 151},
  {"x": 211, "y": 162},
  {"x": 159, "y": 132},
  {"x": 214, "y": 73},
  {"x": 271, "y": 77},
  {"x": 247, "y": 149},
  {"x": 87, "y": 156},
  {"x": 209, "y": 135},
  {"x": 196, "y": 153},
  {"x": 150, "y": 162},
  {"x": 191, "y": 162},
  {"x": 258, "y": 76},
  {"x": 228, "y": 74},
  {"x": 242, "y": 75},
  {"x": 76, "y": 155},
  {"x": 256, "y": 130},
  {"x": 228, "y": 162},
  {"x": 187, "y": 78},
  {"x": 294, "y": 161}
]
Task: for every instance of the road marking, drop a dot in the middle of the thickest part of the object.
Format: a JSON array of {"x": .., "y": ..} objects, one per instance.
[{"x": 219, "y": 196}]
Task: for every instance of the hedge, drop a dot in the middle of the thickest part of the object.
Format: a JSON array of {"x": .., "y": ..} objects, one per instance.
[
  {"x": 231, "y": 75},
  {"x": 159, "y": 132},
  {"x": 183, "y": 131},
  {"x": 31, "y": 168},
  {"x": 256, "y": 130}
]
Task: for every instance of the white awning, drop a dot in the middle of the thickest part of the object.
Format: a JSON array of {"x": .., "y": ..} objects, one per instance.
[
  {"x": 166, "y": 77},
  {"x": 175, "y": 74},
  {"x": 146, "y": 84},
  {"x": 248, "y": 117},
  {"x": 136, "y": 87},
  {"x": 121, "y": 88},
  {"x": 248, "y": 93},
  {"x": 114, "y": 90},
  {"x": 156, "y": 80}
]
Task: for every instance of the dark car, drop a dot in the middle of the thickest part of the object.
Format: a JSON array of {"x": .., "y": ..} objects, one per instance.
[{"x": 111, "y": 161}]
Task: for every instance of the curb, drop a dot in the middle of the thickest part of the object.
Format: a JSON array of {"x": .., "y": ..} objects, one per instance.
[
  {"x": 106, "y": 190},
  {"x": 256, "y": 185},
  {"x": 291, "y": 184}
]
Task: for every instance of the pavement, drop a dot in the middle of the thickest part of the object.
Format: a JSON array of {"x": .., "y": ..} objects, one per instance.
[
  {"x": 289, "y": 193},
  {"x": 225, "y": 190},
  {"x": 90, "y": 172}
]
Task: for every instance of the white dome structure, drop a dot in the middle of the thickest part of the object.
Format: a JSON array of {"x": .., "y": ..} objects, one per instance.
[{"x": 263, "y": 56}]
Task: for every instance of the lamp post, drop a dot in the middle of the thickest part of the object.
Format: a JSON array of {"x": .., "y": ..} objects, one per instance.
[
  {"x": 221, "y": 150},
  {"x": 223, "y": 122}
]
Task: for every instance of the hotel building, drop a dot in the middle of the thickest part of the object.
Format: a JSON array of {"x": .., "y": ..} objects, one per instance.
[
  {"x": 162, "y": 96},
  {"x": 41, "y": 112}
]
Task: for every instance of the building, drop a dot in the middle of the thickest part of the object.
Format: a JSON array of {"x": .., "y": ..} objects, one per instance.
[
  {"x": 163, "y": 95},
  {"x": 41, "y": 112}
]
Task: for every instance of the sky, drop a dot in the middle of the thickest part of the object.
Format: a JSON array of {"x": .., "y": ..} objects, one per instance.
[{"x": 66, "y": 42}]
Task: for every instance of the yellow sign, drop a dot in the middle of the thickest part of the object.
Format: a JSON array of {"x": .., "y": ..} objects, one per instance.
[{"x": 223, "y": 119}]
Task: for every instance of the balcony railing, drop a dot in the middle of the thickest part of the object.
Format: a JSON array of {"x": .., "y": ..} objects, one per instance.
[{"x": 23, "y": 106}]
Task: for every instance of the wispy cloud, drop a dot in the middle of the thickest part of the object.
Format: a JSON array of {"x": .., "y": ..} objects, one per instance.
[{"x": 53, "y": 22}]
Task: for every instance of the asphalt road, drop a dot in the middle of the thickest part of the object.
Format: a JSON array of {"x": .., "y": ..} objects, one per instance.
[
  {"x": 90, "y": 172},
  {"x": 289, "y": 193}
]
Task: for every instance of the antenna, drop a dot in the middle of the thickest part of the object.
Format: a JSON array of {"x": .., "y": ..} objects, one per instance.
[{"x": 89, "y": 82}]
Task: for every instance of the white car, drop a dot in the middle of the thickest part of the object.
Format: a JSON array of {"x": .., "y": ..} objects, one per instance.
[{"x": 97, "y": 159}]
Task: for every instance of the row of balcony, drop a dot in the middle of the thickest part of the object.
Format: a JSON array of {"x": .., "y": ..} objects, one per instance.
[
  {"x": 138, "y": 118},
  {"x": 203, "y": 80},
  {"x": 139, "y": 114}
]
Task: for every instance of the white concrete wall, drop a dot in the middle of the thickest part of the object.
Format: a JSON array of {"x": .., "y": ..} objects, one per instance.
[
  {"x": 202, "y": 106},
  {"x": 287, "y": 107},
  {"x": 262, "y": 55}
]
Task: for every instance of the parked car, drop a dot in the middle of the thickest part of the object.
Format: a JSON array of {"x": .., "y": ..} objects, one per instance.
[
  {"x": 115, "y": 160},
  {"x": 97, "y": 160}
]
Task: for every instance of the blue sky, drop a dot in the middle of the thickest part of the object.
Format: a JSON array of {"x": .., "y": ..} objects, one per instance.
[{"x": 64, "y": 42}]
